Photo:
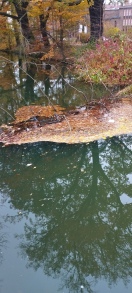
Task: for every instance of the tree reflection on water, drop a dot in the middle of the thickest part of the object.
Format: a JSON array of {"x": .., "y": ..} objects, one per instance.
[
  {"x": 30, "y": 81},
  {"x": 77, "y": 227}
]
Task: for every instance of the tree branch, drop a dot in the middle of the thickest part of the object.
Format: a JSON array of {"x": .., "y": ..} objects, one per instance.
[
  {"x": 9, "y": 15},
  {"x": 74, "y": 2}
]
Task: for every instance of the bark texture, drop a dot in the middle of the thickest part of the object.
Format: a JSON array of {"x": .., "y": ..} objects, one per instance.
[
  {"x": 96, "y": 20},
  {"x": 20, "y": 8},
  {"x": 43, "y": 28}
]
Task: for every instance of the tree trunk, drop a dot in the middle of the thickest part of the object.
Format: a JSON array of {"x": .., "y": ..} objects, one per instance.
[
  {"x": 43, "y": 22},
  {"x": 23, "y": 18},
  {"x": 16, "y": 27},
  {"x": 96, "y": 20},
  {"x": 61, "y": 45}
]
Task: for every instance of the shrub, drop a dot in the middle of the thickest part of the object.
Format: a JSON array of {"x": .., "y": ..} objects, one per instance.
[
  {"x": 110, "y": 62},
  {"x": 84, "y": 37},
  {"x": 129, "y": 32},
  {"x": 111, "y": 31}
]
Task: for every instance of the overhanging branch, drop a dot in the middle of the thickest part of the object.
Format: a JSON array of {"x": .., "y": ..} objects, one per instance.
[{"x": 9, "y": 15}]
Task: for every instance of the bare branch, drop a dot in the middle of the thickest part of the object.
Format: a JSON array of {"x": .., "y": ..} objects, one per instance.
[{"x": 9, "y": 15}]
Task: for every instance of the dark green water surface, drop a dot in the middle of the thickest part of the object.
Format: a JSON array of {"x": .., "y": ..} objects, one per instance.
[
  {"x": 66, "y": 217},
  {"x": 65, "y": 210}
]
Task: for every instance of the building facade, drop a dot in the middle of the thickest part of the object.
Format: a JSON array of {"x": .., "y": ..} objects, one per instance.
[{"x": 119, "y": 16}]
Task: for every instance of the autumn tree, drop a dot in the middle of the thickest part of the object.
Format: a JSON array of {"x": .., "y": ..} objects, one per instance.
[
  {"x": 22, "y": 17},
  {"x": 41, "y": 11},
  {"x": 7, "y": 37},
  {"x": 66, "y": 16},
  {"x": 65, "y": 13},
  {"x": 60, "y": 16},
  {"x": 96, "y": 16}
]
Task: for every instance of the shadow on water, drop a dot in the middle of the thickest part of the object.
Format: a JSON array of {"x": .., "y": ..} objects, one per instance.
[
  {"x": 76, "y": 202},
  {"x": 38, "y": 83}
]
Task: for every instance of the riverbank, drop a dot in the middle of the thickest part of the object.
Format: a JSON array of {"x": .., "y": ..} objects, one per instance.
[{"x": 106, "y": 118}]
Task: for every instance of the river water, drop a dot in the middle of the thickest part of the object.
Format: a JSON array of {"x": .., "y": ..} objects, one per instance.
[{"x": 65, "y": 210}]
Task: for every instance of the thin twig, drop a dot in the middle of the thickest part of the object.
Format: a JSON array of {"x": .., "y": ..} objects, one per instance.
[
  {"x": 79, "y": 91},
  {"x": 7, "y": 113}
]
